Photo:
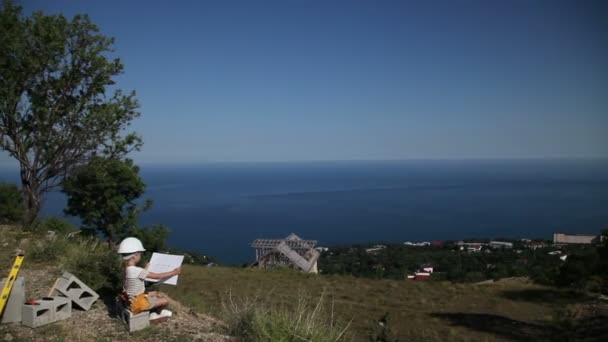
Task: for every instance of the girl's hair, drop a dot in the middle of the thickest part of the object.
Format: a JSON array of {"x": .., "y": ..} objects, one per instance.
[{"x": 127, "y": 257}]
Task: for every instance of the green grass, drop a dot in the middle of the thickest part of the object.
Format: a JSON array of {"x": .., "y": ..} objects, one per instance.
[
  {"x": 277, "y": 304},
  {"x": 416, "y": 308},
  {"x": 258, "y": 319}
]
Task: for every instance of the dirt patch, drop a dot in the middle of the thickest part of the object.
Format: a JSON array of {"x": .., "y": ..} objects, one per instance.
[{"x": 100, "y": 323}]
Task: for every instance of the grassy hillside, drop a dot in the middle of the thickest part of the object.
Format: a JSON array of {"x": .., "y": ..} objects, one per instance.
[
  {"x": 91, "y": 260},
  {"x": 436, "y": 311},
  {"x": 511, "y": 309}
]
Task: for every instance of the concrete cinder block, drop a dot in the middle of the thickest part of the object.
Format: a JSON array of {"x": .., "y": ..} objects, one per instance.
[
  {"x": 36, "y": 315},
  {"x": 132, "y": 322},
  {"x": 69, "y": 286},
  {"x": 46, "y": 310},
  {"x": 62, "y": 308},
  {"x": 14, "y": 305}
]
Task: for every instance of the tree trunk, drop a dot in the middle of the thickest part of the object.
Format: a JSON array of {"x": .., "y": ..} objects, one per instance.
[
  {"x": 32, "y": 206},
  {"x": 31, "y": 196},
  {"x": 110, "y": 236},
  {"x": 110, "y": 241}
]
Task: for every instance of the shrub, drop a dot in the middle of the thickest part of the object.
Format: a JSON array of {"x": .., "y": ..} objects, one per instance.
[
  {"x": 474, "y": 277},
  {"x": 93, "y": 262},
  {"x": 59, "y": 226},
  {"x": 11, "y": 204},
  {"x": 46, "y": 248},
  {"x": 153, "y": 238},
  {"x": 577, "y": 269},
  {"x": 88, "y": 258},
  {"x": 381, "y": 331},
  {"x": 256, "y": 320},
  {"x": 51, "y": 250},
  {"x": 55, "y": 224},
  {"x": 195, "y": 258}
]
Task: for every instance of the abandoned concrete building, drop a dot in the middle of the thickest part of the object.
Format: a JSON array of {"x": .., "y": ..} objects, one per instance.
[
  {"x": 291, "y": 251},
  {"x": 560, "y": 238}
]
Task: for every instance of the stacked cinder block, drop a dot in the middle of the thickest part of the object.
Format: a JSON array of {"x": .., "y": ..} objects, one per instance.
[
  {"x": 46, "y": 310},
  {"x": 69, "y": 286},
  {"x": 131, "y": 321},
  {"x": 14, "y": 305}
]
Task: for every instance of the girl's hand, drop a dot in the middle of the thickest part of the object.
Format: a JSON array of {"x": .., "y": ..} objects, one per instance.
[{"x": 177, "y": 271}]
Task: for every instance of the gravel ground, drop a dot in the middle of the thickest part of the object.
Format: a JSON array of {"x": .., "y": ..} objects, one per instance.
[{"x": 99, "y": 323}]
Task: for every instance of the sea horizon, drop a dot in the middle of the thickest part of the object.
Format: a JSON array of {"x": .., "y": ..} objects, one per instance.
[
  {"x": 219, "y": 208},
  {"x": 11, "y": 164}
]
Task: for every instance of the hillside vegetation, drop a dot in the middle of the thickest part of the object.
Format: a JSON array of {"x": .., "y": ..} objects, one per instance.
[
  {"x": 508, "y": 309},
  {"x": 283, "y": 304},
  {"x": 581, "y": 266},
  {"x": 47, "y": 256}
]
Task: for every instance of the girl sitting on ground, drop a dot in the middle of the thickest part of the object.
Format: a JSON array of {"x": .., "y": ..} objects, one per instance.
[{"x": 131, "y": 250}]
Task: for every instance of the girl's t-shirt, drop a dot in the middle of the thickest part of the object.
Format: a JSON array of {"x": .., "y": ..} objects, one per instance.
[{"x": 134, "y": 280}]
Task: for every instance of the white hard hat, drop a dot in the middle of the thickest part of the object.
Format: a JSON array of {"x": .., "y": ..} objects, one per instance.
[{"x": 130, "y": 245}]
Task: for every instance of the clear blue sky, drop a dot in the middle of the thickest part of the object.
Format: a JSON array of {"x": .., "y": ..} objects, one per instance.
[{"x": 318, "y": 80}]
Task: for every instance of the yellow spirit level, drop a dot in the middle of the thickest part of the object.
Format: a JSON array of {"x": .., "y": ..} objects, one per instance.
[{"x": 8, "y": 286}]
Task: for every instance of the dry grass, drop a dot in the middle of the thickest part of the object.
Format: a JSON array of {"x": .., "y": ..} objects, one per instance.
[
  {"x": 258, "y": 319},
  {"x": 415, "y": 308},
  {"x": 435, "y": 311}
]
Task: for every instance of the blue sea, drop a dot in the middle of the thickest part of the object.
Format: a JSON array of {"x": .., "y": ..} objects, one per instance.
[{"x": 219, "y": 208}]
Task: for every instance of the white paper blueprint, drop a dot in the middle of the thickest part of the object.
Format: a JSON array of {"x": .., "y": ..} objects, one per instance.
[{"x": 161, "y": 263}]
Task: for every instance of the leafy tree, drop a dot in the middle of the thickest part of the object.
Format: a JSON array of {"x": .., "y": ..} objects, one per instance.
[
  {"x": 56, "y": 112},
  {"x": 11, "y": 208},
  {"x": 103, "y": 193},
  {"x": 602, "y": 268},
  {"x": 577, "y": 269},
  {"x": 153, "y": 238}
]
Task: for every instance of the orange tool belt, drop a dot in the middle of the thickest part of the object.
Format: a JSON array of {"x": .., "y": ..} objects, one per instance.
[{"x": 139, "y": 303}]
